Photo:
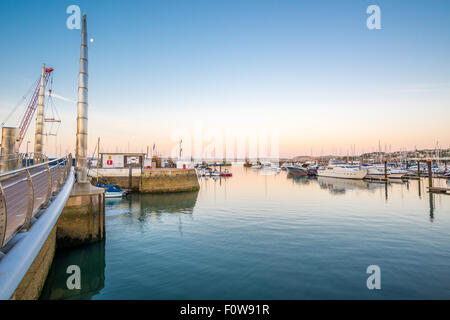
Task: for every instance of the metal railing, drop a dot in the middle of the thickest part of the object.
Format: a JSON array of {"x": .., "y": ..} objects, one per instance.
[
  {"x": 18, "y": 160},
  {"x": 26, "y": 191}
]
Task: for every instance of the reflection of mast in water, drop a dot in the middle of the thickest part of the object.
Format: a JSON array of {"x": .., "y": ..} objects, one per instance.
[
  {"x": 420, "y": 191},
  {"x": 215, "y": 198},
  {"x": 225, "y": 188},
  {"x": 431, "y": 206},
  {"x": 180, "y": 226},
  {"x": 386, "y": 190}
]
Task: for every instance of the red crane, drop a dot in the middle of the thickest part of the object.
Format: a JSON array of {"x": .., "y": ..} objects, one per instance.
[{"x": 31, "y": 108}]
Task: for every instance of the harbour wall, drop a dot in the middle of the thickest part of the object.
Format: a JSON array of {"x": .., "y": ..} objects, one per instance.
[
  {"x": 168, "y": 180},
  {"x": 160, "y": 180},
  {"x": 81, "y": 222},
  {"x": 32, "y": 283}
]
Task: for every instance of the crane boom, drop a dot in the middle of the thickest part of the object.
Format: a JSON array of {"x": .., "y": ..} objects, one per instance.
[{"x": 31, "y": 108}]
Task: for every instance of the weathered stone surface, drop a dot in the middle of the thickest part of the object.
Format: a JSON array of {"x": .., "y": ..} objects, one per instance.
[
  {"x": 122, "y": 181},
  {"x": 173, "y": 180},
  {"x": 157, "y": 181},
  {"x": 83, "y": 219},
  {"x": 32, "y": 283}
]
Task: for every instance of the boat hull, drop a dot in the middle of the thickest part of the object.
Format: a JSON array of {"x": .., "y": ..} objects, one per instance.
[
  {"x": 297, "y": 171},
  {"x": 114, "y": 194},
  {"x": 343, "y": 174}
]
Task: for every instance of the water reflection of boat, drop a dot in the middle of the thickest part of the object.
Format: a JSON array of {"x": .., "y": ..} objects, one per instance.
[
  {"x": 183, "y": 202},
  {"x": 300, "y": 179}
]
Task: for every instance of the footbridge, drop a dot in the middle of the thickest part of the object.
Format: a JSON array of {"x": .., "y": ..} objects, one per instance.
[
  {"x": 48, "y": 205},
  {"x": 31, "y": 201}
]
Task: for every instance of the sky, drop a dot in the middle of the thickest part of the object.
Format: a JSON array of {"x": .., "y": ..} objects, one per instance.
[{"x": 311, "y": 71}]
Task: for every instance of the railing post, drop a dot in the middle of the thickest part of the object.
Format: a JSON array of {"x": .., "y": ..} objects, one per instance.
[
  {"x": 3, "y": 216},
  {"x": 49, "y": 186},
  {"x": 68, "y": 165},
  {"x": 58, "y": 179},
  {"x": 64, "y": 171},
  {"x": 30, "y": 206}
]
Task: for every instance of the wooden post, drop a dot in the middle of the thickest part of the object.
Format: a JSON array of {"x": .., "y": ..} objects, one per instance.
[
  {"x": 385, "y": 171},
  {"x": 130, "y": 177},
  {"x": 418, "y": 168},
  {"x": 430, "y": 174}
]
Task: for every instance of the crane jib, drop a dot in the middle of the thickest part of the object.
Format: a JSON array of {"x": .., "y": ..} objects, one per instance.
[{"x": 31, "y": 108}]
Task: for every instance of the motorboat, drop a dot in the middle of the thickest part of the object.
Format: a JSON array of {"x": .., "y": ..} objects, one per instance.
[
  {"x": 297, "y": 170},
  {"x": 215, "y": 173},
  {"x": 226, "y": 173},
  {"x": 285, "y": 165},
  {"x": 271, "y": 166},
  {"x": 342, "y": 171},
  {"x": 112, "y": 191}
]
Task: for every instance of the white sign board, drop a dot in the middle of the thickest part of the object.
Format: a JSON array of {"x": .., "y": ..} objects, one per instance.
[
  {"x": 132, "y": 160},
  {"x": 112, "y": 161}
]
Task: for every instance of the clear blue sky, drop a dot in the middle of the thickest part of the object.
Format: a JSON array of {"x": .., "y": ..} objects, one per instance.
[{"x": 309, "y": 68}]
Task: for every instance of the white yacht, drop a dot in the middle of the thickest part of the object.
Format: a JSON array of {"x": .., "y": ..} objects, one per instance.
[
  {"x": 271, "y": 166},
  {"x": 342, "y": 171}
]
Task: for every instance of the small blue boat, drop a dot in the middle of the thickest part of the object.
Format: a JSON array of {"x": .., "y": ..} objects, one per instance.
[{"x": 112, "y": 191}]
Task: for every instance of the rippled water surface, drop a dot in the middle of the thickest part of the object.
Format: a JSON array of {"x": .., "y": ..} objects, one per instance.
[{"x": 263, "y": 236}]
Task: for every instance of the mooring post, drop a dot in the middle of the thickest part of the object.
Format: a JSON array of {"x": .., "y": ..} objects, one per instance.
[
  {"x": 385, "y": 171},
  {"x": 418, "y": 168},
  {"x": 430, "y": 174},
  {"x": 130, "y": 177}
]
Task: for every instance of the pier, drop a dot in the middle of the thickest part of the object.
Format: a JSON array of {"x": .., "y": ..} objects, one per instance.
[{"x": 442, "y": 190}]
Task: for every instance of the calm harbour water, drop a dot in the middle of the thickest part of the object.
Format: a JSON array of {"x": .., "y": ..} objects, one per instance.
[{"x": 261, "y": 236}]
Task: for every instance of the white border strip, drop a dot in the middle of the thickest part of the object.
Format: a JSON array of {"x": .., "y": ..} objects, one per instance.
[{"x": 15, "y": 264}]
